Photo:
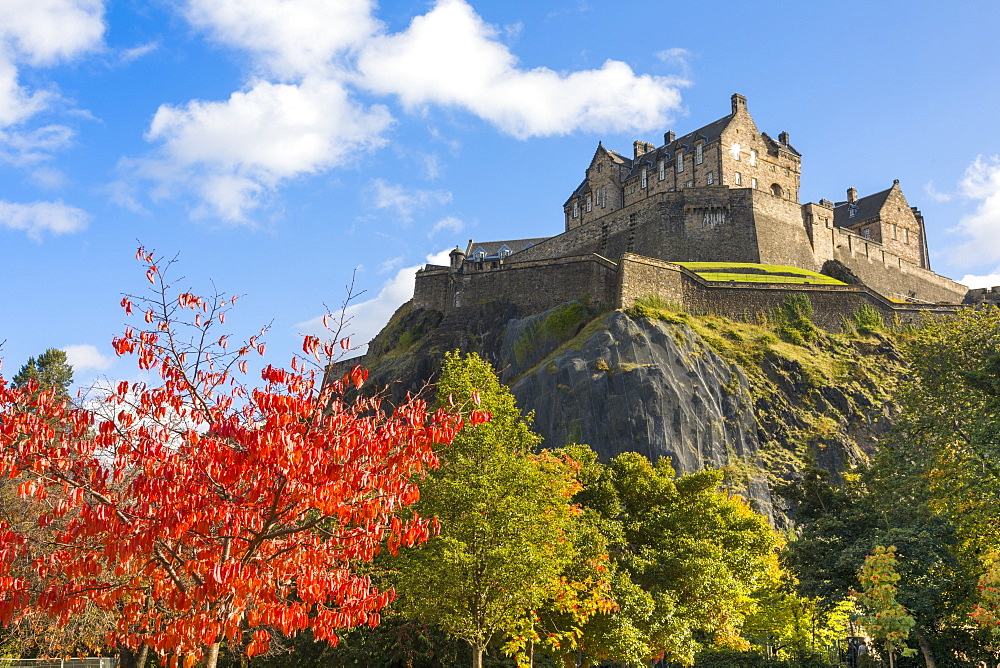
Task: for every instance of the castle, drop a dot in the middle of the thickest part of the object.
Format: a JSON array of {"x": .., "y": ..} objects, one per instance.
[{"x": 724, "y": 193}]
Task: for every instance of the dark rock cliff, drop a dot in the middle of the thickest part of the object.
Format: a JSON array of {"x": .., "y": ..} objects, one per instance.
[{"x": 704, "y": 391}]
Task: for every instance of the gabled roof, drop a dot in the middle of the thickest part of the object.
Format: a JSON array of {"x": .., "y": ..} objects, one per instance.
[
  {"x": 492, "y": 248},
  {"x": 867, "y": 207},
  {"x": 779, "y": 145},
  {"x": 708, "y": 134}
]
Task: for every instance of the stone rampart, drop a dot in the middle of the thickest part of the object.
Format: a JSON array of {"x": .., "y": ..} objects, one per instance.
[
  {"x": 891, "y": 275},
  {"x": 640, "y": 277}
]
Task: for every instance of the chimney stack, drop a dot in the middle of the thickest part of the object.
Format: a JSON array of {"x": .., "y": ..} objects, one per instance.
[
  {"x": 668, "y": 137},
  {"x": 640, "y": 148},
  {"x": 852, "y": 195},
  {"x": 739, "y": 102},
  {"x": 783, "y": 138}
]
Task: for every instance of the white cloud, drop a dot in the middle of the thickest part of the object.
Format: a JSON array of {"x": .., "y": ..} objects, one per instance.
[
  {"x": 935, "y": 195},
  {"x": 39, "y": 33},
  {"x": 43, "y": 32},
  {"x": 369, "y": 317},
  {"x": 404, "y": 200},
  {"x": 234, "y": 151},
  {"x": 294, "y": 38},
  {"x": 981, "y": 181},
  {"x": 679, "y": 58},
  {"x": 450, "y": 56},
  {"x": 987, "y": 281},
  {"x": 37, "y": 218},
  {"x": 86, "y": 356},
  {"x": 299, "y": 115},
  {"x": 450, "y": 223}
]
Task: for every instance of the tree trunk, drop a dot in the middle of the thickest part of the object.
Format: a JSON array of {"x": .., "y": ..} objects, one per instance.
[
  {"x": 925, "y": 648},
  {"x": 143, "y": 657},
  {"x": 477, "y": 656},
  {"x": 212, "y": 657}
]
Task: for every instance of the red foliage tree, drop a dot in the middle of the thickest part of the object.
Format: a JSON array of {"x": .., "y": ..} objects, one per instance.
[{"x": 200, "y": 510}]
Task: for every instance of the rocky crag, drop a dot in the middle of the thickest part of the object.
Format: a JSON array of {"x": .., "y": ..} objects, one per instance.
[{"x": 702, "y": 390}]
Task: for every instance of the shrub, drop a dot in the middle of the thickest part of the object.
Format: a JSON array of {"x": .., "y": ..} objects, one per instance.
[
  {"x": 793, "y": 321},
  {"x": 867, "y": 320}
]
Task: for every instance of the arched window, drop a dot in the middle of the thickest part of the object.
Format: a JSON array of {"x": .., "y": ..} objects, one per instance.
[{"x": 776, "y": 190}]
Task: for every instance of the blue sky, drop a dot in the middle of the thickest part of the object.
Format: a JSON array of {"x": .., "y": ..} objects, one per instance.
[{"x": 278, "y": 146}]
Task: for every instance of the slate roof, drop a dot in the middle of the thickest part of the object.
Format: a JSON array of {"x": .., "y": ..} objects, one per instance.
[
  {"x": 867, "y": 207},
  {"x": 787, "y": 147},
  {"x": 492, "y": 248},
  {"x": 708, "y": 133}
]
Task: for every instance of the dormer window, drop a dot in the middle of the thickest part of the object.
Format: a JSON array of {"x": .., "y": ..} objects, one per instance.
[
  {"x": 663, "y": 169},
  {"x": 644, "y": 181},
  {"x": 753, "y": 158},
  {"x": 680, "y": 162},
  {"x": 479, "y": 255},
  {"x": 698, "y": 157},
  {"x": 852, "y": 210},
  {"x": 503, "y": 252}
]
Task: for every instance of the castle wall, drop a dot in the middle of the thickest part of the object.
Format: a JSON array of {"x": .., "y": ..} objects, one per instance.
[
  {"x": 782, "y": 236},
  {"x": 432, "y": 289},
  {"x": 533, "y": 286},
  {"x": 641, "y": 277},
  {"x": 891, "y": 275},
  {"x": 696, "y": 224}
]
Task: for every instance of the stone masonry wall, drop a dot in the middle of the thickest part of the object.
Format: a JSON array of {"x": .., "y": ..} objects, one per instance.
[
  {"x": 891, "y": 275},
  {"x": 645, "y": 276},
  {"x": 532, "y": 286}
]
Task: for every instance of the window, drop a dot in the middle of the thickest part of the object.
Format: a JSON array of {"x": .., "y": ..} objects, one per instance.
[
  {"x": 589, "y": 207},
  {"x": 503, "y": 252},
  {"x": 753, "y": 183},
  {"x": 644, "y": 181},
  {"x": 576, "y": 209},
  {"x": 680, "y": 162},
  {"x": 688, "y": 184},
  {"x": 906, "y": 236},
  {"x": 710, "y": 179},
  {"x": 663, "y": 169},
  {"x": 753, "y": 158},
  {"x": 698, "y": 155},
  {"x": 604, "y": 196},
  {"x": 866, "y": 233},
  {"x": 739, "y": 179},
  {"x": 852, "y": 210},
  {"x": 894, "y": 231},
  {"x": 735, "y": 148},
  {"x": 479, "y": 255}
]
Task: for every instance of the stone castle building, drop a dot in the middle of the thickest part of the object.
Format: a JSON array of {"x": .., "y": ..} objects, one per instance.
[{"x": 725, "y": 192}]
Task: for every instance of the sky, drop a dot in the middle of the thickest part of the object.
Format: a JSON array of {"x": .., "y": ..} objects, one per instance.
[{"x": 281, "y": 149}]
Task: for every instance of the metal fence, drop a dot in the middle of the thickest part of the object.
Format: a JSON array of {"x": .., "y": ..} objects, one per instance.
[{"x": 84, "y": 662}]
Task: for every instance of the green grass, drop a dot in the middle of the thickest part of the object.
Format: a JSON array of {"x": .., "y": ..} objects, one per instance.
[{"x": 748, "y": 272}]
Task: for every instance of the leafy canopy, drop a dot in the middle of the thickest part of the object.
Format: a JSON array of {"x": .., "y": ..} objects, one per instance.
[{"x": 200, "y": 509}]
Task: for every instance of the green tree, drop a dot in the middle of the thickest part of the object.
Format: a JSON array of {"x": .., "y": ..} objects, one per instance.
[
  {"x": 885, "y": 619},
  {"x": 509, "y": 530},
  {"x": 687, "y": 556},
  {"x": 49, "y": 370},
  {"x": 950, "y": 422}
]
